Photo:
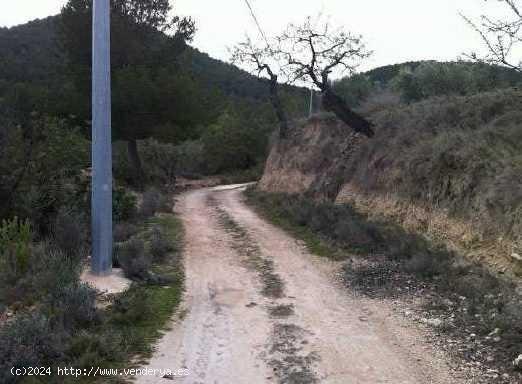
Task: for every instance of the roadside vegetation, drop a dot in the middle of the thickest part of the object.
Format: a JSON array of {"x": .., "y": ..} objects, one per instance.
[
  {"x": 220, "y": 124},
  {"x": 381, "y": 259},
  {"x": 51, "y": 319}
]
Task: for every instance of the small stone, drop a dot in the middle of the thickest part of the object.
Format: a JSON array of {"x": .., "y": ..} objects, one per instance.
[
  {"x": 517, "y": 363},
  {"x": 432, "y": 322},
  {"x": 516, "y": 256}
]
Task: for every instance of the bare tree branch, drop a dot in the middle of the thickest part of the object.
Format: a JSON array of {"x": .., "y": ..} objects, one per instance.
[
  {"x": 311, "y": 53},
  {"x": 501, "y": 37},
  {"x": 257, "y": 60}
]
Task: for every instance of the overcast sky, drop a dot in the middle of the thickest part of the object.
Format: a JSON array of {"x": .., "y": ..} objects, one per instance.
[{"x": 397, "y": 31}]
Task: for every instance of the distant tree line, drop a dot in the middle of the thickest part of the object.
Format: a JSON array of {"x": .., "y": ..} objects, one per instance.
[{"x": 422, "y": 80}]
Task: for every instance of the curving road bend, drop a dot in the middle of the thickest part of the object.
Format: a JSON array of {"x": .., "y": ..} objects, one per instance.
[{"x": 259, "y": 308}]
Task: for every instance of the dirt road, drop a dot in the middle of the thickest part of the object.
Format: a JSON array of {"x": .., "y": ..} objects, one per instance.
[{"x": 259, "y": 308}]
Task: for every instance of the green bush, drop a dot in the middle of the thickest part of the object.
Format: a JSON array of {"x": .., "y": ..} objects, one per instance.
[
  {"x": 29, "y": 341},
  {"x": 51, "y": 269},
  {"x": 133, "y": 260},
  {"x": 133, "y": 306},
  {"x": 153, "y": 201},
  {"x": 355, "y": 89},
  {"x": 191, "y": 162},
  {"x": 72, "y": 307},
  {"x": 159, "y": 163},
  {"x": 124, "y": 231},
  {"x": 15, "y": 242},
  {"x": 234, "y": 143},
  {"x": 69, "y": 234},
  {"x": 124, "y": 205},
  {"x": 160, "y": 246},
  {"x": 96, "y": 348},
  {"x": 41, "y": 170}
]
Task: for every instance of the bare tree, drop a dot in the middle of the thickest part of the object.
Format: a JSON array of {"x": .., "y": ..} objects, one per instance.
[
  {"x": 260, "y": 61},
  {"x": 313, "y": 51},
  {"x": 502, "y": 37}
]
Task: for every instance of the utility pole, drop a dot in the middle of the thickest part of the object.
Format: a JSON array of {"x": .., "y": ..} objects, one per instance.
[
  {"x": 101, "y": 205},
  {"x": 311, "y": 102}
]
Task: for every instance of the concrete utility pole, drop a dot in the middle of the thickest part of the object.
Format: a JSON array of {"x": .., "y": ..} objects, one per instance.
[{"x": 101, "y": 140}]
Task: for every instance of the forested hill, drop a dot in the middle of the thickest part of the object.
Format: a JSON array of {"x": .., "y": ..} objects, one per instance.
[{"x": 31, "y": 53}]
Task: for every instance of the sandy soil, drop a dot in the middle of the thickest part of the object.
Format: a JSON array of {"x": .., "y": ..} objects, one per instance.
[
  {"x": 112, "y": 284},
  {"x": 231, "y": 331}
]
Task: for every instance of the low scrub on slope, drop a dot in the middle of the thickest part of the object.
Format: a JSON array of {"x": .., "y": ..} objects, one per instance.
[
  {"x": 461, "y": 154},
  {"x": 384, "y": 260}
]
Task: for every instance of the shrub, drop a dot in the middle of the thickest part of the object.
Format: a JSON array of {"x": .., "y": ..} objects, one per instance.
[
  {"x": 15, "y": 241},
  {"x": 234, "y": 142},
  {"x": 124, "y": 231},
  {"x": 48, "y": 269},
  {"x": 425, "y": 264},
  {"x": 122, "y": 169},
  {"x": 73, "y": 306},
  {"x": 160, "y": 162},
  {"x": 348, "y": 231},
  {"x": 69, "y": 234},
  {"x": 48, "y": 156},
  {"x": 96, "y": 348},
  {"x": 133, "y": 260},
  {"x": 124, "y": 205},
  {"x": 153, "y": 202},
  {"x": 191, "y": 162},
  {"x": 51, "y": 269},
  {"x": 133, "y": 306},
  {"x": 28, "y": 341},
  {"x": 355, "y": 89},
  {"x": 160, "y": 245}
]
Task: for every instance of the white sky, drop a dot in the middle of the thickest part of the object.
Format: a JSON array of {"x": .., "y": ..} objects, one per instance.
[{"x": 396, "y": 30}]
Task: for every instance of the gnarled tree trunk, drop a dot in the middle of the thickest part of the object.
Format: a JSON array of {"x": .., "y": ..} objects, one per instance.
[
  {"x": 278, "y": 107},
  {"x": 335, "y": 104}
]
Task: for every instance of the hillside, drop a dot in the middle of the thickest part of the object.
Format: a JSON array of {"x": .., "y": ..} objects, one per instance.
[
  {"x": 449, "y": 167},
  {"x": 384, "y": 75},
  {"x": 31, "y": 53}
]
